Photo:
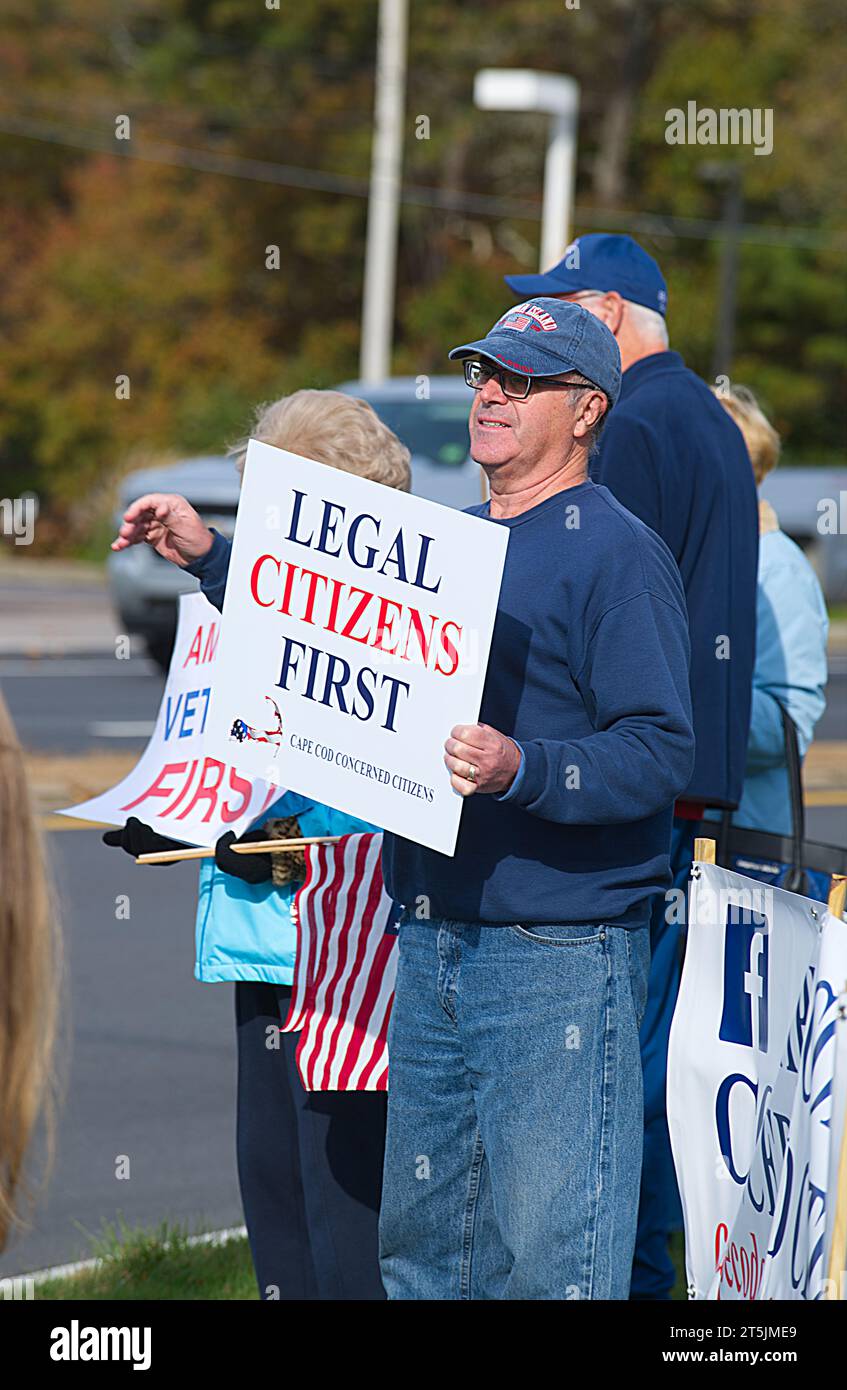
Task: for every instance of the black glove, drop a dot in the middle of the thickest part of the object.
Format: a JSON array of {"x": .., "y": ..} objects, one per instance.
[
  {"x": 251, "y": 868},
  {"x": 137, "y": 838}
]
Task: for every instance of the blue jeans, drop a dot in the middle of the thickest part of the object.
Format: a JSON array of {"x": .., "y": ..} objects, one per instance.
[
  {"x": 513, "y": 1148},
  {"x": 659, "y": 1212}
]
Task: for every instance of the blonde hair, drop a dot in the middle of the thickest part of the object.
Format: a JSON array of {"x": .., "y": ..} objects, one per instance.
[
  {"x": 759, "y": 434},
  {"x": 332, "y": 428},
  {"x": 30, "y": 951}
]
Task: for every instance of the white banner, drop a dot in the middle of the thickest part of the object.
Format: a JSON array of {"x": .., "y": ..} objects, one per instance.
[
  {"x": 755, "y": 1111},
  {"x": 177, "y": 787},
  {"x": 361, "y": 618}
]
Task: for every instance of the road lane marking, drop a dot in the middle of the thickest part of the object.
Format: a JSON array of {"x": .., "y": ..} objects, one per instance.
[
  {"x": 54, "y": 668},
  {"x": 122, "y": 728}
]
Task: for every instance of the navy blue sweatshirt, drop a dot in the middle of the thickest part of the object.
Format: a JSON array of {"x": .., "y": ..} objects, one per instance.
[
  {"x": 673, "y": 456},
  {"x": 588, "y": 673}
]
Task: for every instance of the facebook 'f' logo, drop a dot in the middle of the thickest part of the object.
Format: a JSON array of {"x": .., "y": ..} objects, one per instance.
[{"x": 745, "y": 979}]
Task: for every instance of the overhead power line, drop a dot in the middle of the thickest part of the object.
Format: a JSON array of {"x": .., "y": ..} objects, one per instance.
[{"x": 415, "y": 195}]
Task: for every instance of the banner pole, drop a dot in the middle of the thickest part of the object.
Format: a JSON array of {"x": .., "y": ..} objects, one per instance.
[
  {"x": 838, "y": 1253},
  {"x": 837, "y": 894},
  {"x": 276, "y": 846},
  {"x": 704, "y": 851},
  {"x": 175, "y": 856}
]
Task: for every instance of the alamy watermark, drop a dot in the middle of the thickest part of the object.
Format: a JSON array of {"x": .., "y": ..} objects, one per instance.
[
  {"x": 749, "y": 906},
  {"x": 18, "y": 516},
  {"x": 832, "y": 515},
  {"x": 704, "y": 125}
]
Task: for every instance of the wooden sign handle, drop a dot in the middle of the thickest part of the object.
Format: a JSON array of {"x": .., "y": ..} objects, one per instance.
[
  {"x": 837, "y": 894},
  {"x": 175, "y": 856}
]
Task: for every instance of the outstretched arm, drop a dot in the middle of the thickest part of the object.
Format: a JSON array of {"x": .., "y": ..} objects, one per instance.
[{"x": 167, "y": 522}]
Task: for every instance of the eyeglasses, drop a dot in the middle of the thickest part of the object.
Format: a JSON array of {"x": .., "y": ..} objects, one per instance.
[{"x": 516, "y": 387}]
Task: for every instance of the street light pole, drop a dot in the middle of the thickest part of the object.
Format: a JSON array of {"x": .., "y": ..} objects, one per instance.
[
  {"x": 384, "y": 199},
  {"x": 520, "y": 89},
  {"x": 731, "y": 177},
  {"x": 557, "y": 208},
  {"x": 728, "y": 297}
]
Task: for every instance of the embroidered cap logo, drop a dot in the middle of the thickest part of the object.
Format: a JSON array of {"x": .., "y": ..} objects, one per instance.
[{"x": 528, "y": 315}]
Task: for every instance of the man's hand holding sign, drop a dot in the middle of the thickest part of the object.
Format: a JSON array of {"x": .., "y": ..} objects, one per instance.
[{"x": 480, "y": 759}]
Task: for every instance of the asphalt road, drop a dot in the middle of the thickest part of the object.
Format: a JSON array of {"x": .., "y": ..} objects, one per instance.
[
  {"x": 76, "y": 704},
  {"x": 149, "y": 1059},
  {"x": 829, "y": 823}
]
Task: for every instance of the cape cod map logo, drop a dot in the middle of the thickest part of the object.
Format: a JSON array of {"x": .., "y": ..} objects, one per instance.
[{"x": 243, "y": 732}]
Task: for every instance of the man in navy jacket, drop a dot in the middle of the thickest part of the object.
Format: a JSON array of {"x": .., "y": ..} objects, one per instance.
[
  {"x": 514, "y": 1117},
  {"x": 672, "y": 457}
]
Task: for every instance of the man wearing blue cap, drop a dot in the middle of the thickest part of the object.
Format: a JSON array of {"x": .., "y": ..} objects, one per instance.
[
  {"x": 672, "y": 456},
  {"x": 515, "y": 1116}
]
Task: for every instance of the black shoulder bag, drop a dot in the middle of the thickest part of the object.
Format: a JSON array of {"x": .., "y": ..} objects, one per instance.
[{"x": 787, "y": 861}]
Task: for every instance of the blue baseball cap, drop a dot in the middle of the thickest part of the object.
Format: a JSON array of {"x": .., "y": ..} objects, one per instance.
[
  {"x": 601, "y": 261},
  {"x": 545, "y": 337}
]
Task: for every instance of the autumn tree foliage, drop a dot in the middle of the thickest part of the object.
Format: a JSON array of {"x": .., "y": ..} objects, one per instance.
[{"x": 153, "y": 289}]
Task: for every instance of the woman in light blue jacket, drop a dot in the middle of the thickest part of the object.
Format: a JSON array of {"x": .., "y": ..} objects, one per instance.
[
  {"x": 309, "y": 1164},
  {"x": 791, "y": 635},
  {"x": 244, "y": 929}
]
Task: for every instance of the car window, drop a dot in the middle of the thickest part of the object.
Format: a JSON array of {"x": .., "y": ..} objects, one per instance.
[{"x": 436, "y": 429}]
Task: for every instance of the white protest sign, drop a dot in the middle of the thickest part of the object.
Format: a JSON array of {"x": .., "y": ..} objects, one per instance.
[
  {"x": 793, "y": 1228},
  {"x": 177, "y": 787},
  {"x": 362, "y": 618},
  {"x": 750, "y": 1071}
]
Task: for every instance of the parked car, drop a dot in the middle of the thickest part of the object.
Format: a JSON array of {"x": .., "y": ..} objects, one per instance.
[
  {"x": 434, "y": 428},
  {"x": 145, "y": 588}
]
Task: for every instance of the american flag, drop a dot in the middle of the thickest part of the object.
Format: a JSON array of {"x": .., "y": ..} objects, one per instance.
[{"x": 345, "y": 967}]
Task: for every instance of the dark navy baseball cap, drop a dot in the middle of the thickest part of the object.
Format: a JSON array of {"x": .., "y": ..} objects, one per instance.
[
  {"x": 601, "y": 261},
  {"x": 545, "y": 337}
]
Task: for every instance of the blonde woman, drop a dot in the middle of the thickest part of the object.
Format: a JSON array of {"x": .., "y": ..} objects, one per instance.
[
  {"x": 29, "y": 976},
  {"x": 791, "y": 635},
  {"x": 309, "y": 1165}
]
